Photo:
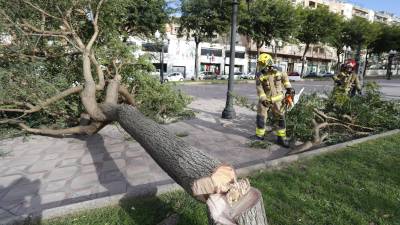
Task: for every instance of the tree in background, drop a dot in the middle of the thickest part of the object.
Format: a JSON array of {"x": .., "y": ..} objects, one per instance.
[
  {"x": 202, "y": 20},
  {"x": 337, "y": 38},
  {"x": 360, "y": 34},
  {"x": 264, "y": 20},
  {"x": 387, "y": 40},
  {"x": 315, "y": 27}
]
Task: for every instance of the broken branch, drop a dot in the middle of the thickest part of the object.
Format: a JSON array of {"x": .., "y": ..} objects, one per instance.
[
  {"x": 90, "y": 129},
  {"x": 47, "y": 102},
  {"x": 41, "y": 10}
]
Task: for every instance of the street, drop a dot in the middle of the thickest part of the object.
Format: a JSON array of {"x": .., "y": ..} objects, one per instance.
[{"x": 389, "y": 88}]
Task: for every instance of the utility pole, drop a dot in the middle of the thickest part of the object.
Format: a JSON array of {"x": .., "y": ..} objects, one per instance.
[{"x": 229, "y": 111}]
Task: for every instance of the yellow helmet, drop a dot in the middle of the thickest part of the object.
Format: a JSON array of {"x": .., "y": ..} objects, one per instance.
[{"x": 265, "y": 60}]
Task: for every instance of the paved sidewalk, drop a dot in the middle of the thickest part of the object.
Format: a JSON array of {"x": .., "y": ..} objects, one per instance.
[{"x": 44, "y": 172}]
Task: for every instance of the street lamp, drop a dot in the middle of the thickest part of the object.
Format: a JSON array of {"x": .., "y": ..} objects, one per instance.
[
  {"x": 346, "y": 50},
  {"x": 280, "y": 44},
  {"x": 229, "y": 111},
  {"x": 273, "y": 45},
  {"x": 160, "y": 39},
  {"x": 392, "y": 53}
]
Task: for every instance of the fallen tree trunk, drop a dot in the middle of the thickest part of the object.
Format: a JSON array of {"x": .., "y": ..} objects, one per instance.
[
  {"x": 182, "y": 162},
  {"x": 200, "y": 174}
]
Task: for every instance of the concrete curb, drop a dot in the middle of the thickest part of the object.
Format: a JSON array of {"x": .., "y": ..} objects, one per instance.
[
  {"x": 284, "y": 161},
  {"x": 217, "y": 82},
  {"x": 165, "y": 188},
  {"x": 90, "y": 204}
]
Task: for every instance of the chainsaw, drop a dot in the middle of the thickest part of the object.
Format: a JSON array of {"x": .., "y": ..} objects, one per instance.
[{"x": 290, "y": 101}]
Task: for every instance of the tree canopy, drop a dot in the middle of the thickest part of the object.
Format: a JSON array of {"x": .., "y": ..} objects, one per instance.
[
  {"x": 359, "y": 32},
  {"x": 316, "y": 25},
  {"x": 388, "y": 39},
  {"x": 203, "y": 19},
  {"x": 65, "y": 58},
  {"x": 264, "y": 20}
]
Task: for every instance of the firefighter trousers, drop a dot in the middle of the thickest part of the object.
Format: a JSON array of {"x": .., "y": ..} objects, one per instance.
[{"x": 273, "y": 112}]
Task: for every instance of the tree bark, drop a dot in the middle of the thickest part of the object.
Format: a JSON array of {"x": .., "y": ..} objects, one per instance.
[
  {"x": 196, "y": 59},
  {"x": 182, "y": 162},
  {"x": 88, "y": 95},
  {"x": 365, "y": 70},
  {"x": 248, "y": 211},
  {"x": 338, "y": 61},
  {"x": 303, "y": 59},
  {"x": 259, "y": 44},
  {"x": 365, "y": 65}
]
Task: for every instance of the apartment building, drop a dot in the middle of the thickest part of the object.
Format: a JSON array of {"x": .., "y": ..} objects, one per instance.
[
  {"x": 179, "y": 54},
  {"x": 349, "y": 10}
]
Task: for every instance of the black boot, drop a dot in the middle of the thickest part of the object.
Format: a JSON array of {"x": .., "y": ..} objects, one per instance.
[
  {"x": 282, "y": 141},
  {"x": 257, "y": 138}
]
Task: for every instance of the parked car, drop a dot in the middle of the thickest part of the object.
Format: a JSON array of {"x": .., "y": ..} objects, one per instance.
[
  {"x": 248, "y": 76},
  {"x": 175, "y": 76},
  {"x": 312, "y": 74},
  {"x": 208, "y": 75},
  {"x": 239, "y": 75},
  {"x": 251, "y": 75},
  {"x": 327, "y": 74},
  {"x": 294, "y": 76},
  {"x": 224, "y": 77},
  {"x": 236, "y": 76}
]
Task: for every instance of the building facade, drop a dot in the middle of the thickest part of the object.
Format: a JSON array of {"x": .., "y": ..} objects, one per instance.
[
  {"x": 179, "y": 53},
  {"x": 349, "y": 10}
]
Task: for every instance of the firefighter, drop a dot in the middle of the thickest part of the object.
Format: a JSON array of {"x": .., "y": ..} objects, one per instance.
[
  {"x": 347, "y": 82},
  {"x": 270, "y": 85}
]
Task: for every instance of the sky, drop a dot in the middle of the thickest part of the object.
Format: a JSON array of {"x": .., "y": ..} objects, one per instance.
[{"x": 392, "y": 6}]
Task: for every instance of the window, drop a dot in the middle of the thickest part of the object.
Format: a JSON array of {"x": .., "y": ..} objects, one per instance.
[
  {"x": 153, "y": 47},
  {"x": 312, "y": 4},
  {"x": 239, "y": 55},
  {"x": 175, "y": 30},
  {"x": 211, "y": 51}
]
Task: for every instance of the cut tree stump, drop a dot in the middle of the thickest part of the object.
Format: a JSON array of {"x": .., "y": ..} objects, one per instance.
[{"x": 249, "y": 210}]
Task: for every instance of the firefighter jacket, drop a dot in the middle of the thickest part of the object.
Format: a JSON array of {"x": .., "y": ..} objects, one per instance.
[
  {"x": 270, "y": 85},
  {"x": 347, "y": 81}
]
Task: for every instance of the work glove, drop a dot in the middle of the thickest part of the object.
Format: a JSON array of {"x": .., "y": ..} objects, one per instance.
[
  {"x": 266, "y": 103},
  {"x": 290, "y": 91},
  {"x": 338, "y": 82}
]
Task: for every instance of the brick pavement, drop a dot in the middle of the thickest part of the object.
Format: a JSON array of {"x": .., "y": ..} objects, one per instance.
[{"x": 44, "y": 172}]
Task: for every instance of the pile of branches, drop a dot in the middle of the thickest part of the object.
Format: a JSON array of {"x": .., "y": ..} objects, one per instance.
[{"x": 336, "y": 118}]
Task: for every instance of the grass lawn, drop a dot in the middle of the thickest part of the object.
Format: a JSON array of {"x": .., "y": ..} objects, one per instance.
[{"x": 359, "y": 185}]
